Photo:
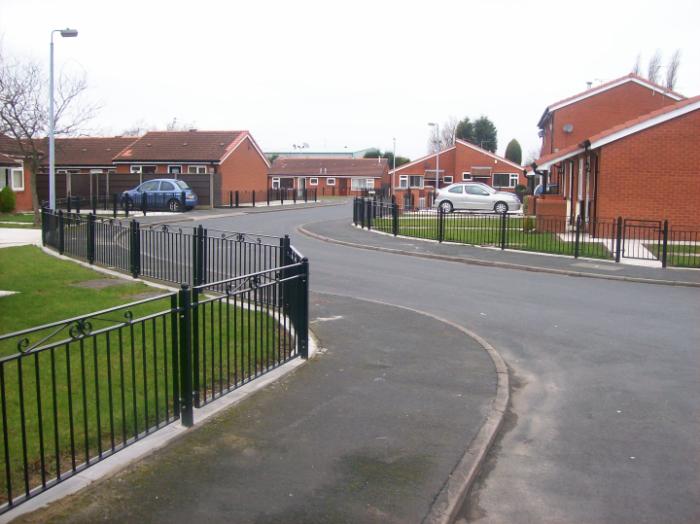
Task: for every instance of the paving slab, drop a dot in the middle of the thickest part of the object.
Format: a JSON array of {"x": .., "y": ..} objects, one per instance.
[{"x": 369, "y": 430}]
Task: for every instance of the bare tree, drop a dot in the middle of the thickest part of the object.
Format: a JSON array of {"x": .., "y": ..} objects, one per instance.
[
  {"x": 446, "y": 138},
  {"x": 672, "y": 69},
  {"x": 637, "y": 67},
  {"x": 654, "y": 67},
  {"x": 174, "y": 125}
]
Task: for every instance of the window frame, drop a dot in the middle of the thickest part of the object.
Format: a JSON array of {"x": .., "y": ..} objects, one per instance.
[
  {"x": 136, "y": 169},
  {"x": 403, "y": 181},
  {"x": 330, "y": 181},
  {"x": 275, "y": 184},
  {"x": 466, "y": 176},
  {"x": 178, "y": 166},
  {"x": 512, "y": 180},
  {"x": 197, "y": 169},
  {"x": 446, "y": 181},
  {"x": 13, "y": 171},
  {"x": 413, "y": 186},
  {"x": 313, "y": 181}
]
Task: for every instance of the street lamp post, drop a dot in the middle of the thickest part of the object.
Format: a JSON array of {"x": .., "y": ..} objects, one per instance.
[
  {"x": 65, "y": 33},
  {"x": 437, "y": 156}
]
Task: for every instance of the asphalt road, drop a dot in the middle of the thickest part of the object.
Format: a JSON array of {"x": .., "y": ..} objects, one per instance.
[{"x": 605, "y": 418}]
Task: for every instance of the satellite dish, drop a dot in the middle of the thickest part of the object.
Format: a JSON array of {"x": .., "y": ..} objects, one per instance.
[{"x": 568, "y": 128}]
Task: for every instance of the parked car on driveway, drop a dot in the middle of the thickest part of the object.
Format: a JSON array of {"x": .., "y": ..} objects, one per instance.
[
  {"x": 161, "y": 193},
  {"x": 475, "y": 196}
]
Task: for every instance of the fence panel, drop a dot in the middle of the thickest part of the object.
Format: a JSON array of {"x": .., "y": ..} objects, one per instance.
[{"x": 76, "y": 391}]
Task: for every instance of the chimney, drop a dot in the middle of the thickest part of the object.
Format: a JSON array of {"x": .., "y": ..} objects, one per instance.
[{"x": 589, "y": 84}]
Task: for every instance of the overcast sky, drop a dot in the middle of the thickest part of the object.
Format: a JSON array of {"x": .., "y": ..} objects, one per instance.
[{"x": 350, "y": 74}]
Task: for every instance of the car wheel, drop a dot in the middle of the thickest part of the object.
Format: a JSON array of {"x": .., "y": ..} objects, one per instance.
[
  {"x": 174, "y": 205},
  {"x": 446, "y": 206},
  {"x": 500, "y": 207}
]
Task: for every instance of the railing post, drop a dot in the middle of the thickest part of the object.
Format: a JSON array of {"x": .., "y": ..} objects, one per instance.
[
  {"x": 281, "y": 194},
  {"x": 504, "y": 217},
  {"x": 577, "y": 238},
  {"x": 230, "y": 199},
  {"x": 294, "y": 196},
  {"x": 77, "y": 205},
  {"x": 135, "y": 249},
  {"x": 114, "y": 205},
  {"x": 354, "y": 211},
  {"x": 302, "y": 328},
  {"x": 198, "y": 247},
  {"x": 94, "y": 204},
  {"x": 61, "y": 233},
  {"x": 395, "y": 218},
  {"x": 285, "y": 261},
  {"x": 618, "y": 240},
  {"x": 664, "y": 246},
  {"x": 144, "y": 202},
  {"x": 306, "y": 196},
  {"x": 69, "y": 203},
  {"x": 183, "y": 201},
  {"x": 253, "y": 197},
  {"x": 185, "y": 364},
  {"x": 126, "y": 201},
  {"x": 441, "y": 225},
  {"x": 43, "y": 225},
  {"x": 237, "y": 198},
  {"x": 268, "y": 197},
  {"x": 316, "y": 195},
  {"x": 370, "y": 211},
  {"x": 91, "y": 239}
]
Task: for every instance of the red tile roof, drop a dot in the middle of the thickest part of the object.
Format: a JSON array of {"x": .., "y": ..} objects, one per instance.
[
  {"x": 6, "y": 161},
  {"x": 8, "y": 145},
  {"x": 87, "y": 151},
  {"x": 618, "y": 128},
  {"x": 357, "y": 167},
  {"x": 181, "y": 146}
]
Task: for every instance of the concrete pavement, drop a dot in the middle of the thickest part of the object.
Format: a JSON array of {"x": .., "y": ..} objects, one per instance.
[{"x": 369, "y": 431}]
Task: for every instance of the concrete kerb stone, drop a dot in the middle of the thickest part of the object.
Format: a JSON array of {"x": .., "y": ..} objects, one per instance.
[
  {"x": 492, "y": 263},
  {"x": 447, "y": 503},
  {"x": 160, "y": 438}
]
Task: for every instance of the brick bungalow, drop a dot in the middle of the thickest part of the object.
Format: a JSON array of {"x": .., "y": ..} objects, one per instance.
[
  {"x": 463, "y": 162},
  {"x": 571, "y": 120},
  {"x": 14, "y": 173},
  {"x": 646, "y": 168},
  {"x": 330, "y": 176},
  {"x": 211, "y": 162}
]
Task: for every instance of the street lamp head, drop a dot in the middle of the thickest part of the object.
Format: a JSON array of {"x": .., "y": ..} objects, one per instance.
[{"x": 69, "y": 33}]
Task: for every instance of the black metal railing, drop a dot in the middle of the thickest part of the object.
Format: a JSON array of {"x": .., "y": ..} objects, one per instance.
[
  {"x": 117, "y": 204},
  {"x": 76, "y": 391},
  {"x": 252, "y": 198},
  {"x": 581, "y": 237}
]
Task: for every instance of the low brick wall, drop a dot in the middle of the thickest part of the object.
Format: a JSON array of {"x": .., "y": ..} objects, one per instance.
[{"x": 551, "y": 213}]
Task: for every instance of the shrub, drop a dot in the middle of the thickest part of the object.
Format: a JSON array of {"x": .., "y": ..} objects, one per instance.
[{"x": 7, "y": 200}]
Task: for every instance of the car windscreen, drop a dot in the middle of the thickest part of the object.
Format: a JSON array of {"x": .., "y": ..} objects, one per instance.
[{"x": 181, "y": 184}]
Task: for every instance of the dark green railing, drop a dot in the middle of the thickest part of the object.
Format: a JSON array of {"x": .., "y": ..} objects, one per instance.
[
  {"x": 76, "y": 391},
  {"x": 612, "y": 239}
]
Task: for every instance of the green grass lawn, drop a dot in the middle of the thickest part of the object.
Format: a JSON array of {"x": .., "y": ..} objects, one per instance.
[
  {"x": 678, "y": 255},
  {"x": 486, "y": 231},
  {"x": 17, "y": 220},
  {"x": 82, "y": 397}
]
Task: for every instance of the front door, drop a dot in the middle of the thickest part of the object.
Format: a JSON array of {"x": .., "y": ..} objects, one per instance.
[{"x": 301, "y": 187}]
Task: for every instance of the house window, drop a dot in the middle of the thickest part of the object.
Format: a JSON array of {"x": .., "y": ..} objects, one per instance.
[
  {"x": 17, "y": 179},
  {"x": 505, "y": 179},
  {"x": 403, "y": 181},
  {"x": 358, "y": 184},
  {"x": 313, "y": 181},
  {"x": 447, "y": 179},
  {"x": 174, "y": 170},
  {"x": 275, "y": 183},
  {"x": 196, "y": 170},
  {"x": 466, "y": 175},
  {"x": 330, "y": 181},
  {"x": 146, "y": 170},
  {"x": 415, "y": 181}
]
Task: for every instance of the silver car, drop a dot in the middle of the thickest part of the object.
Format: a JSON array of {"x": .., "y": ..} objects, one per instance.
[{"x": 475, "y": 196}]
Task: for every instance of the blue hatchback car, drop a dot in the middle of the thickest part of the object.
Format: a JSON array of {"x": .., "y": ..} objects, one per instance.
[{"x": 161, "y": 193}]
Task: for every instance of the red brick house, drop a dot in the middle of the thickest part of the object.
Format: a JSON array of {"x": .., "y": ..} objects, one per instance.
[
  {"x": 14, "y": 174},
  {"x": 211, "y": 162},
  {"x": 330, "y": 176},
  {"x": 463, "y": 162},
  {"x": 645, "y": 168},
  {"x": 573, "y": 119}
]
